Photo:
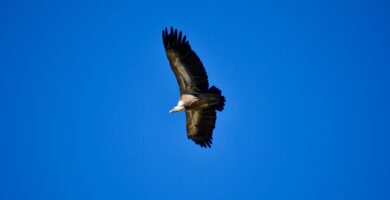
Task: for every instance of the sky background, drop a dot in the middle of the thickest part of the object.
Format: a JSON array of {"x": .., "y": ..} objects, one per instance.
[{"x": 85, "y": 90}]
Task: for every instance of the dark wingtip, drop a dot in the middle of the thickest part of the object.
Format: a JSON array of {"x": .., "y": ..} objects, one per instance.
[
  {"x": 175, "y": 40},
  {"x": 179, "y": 39},
  {"x": 201, "y": 141},
  {"x": 205, "y": 144},
  {"x": 165, "y": 37}
]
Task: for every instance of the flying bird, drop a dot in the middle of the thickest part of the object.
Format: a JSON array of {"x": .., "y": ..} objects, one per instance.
[{"x": 197, "y": 99}]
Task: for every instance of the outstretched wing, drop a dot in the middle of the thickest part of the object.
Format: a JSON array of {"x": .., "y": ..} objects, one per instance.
[
  {"x": 189, "y": 71},
  {"x": 200, "y": 125}
]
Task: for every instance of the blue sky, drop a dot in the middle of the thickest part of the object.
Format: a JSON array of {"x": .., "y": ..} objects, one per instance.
[{"x": 85, "y": 90}]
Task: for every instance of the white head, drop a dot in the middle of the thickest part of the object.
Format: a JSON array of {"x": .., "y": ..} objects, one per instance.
[{"x": 177, "y": 109}]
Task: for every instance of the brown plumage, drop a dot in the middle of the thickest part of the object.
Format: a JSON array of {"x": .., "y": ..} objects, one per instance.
[{"x": 199, "y": 101}]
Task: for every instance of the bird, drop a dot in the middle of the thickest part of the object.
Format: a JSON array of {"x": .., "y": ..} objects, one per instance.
[{"x": 199, "y": 101}]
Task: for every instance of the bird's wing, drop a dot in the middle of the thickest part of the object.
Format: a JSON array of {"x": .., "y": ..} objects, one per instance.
[
  {"x": 189, "y": 71},
  {"x": 200, "y": 125}
]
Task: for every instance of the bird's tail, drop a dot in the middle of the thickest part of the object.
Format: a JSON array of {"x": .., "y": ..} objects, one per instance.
[{"x": 221, "y": 99}]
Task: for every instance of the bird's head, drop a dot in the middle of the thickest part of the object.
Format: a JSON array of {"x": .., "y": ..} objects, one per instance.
[{"x": 177, "y": 109}]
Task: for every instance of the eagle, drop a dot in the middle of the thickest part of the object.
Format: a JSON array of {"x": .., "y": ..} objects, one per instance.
[{"x": 197, "y": 99}]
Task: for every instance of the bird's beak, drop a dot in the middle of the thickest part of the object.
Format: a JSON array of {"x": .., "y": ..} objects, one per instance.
[{"x": 171, "y": 111}]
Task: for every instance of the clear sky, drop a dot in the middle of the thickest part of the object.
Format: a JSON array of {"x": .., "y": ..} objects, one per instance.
[{"x": 85, "y": 90}]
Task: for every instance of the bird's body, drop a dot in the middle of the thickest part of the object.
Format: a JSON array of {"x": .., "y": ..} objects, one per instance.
[{"x": 196, "y": 98}]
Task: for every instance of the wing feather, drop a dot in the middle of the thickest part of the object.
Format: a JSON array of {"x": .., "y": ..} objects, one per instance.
[
  {"x": 200, "y": 126},
  {"x": 186, "y": 65}
]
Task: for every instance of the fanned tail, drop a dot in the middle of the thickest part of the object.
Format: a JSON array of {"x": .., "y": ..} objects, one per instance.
[{"x": 221, "y": 104}]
